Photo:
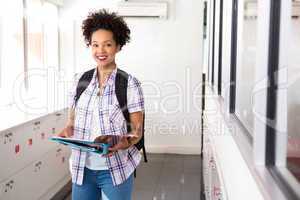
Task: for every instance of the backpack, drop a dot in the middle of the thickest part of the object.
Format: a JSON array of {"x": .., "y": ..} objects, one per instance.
[{"x": 121, "y": 93}]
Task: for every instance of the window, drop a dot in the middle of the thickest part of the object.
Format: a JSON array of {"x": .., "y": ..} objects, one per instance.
[
  {"x": 50, "y": 29},
  {"x": 220, "y": 48},
  {"x": 216, "y": 40},
  {"x": 24, "y": 61},
  {"x": 282, "y": 133},
  {"x": 226, "y": 48},
  {"x": 41, "y": 55},
  {"x": 12, "y": 58},
  {"x": 246, "y": 55},
  {"x": 293, "y": 96},
  {"x": 263, "y": 65}
]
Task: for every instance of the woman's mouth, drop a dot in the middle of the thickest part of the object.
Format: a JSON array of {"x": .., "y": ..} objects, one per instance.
[{"x": 102, "y": 58}]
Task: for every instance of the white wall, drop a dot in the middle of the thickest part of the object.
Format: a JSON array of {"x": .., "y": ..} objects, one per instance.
[{"x": 166, "y": 56}]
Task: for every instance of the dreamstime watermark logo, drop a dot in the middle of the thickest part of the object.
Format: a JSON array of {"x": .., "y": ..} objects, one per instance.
[
  {"x": 187, "y": 127},
  {"x": 40, "y": 91},
  {"x": 259, "y": 98},
  {"x": 173, "y": 96},
  {"x": 47, "y": 88}
]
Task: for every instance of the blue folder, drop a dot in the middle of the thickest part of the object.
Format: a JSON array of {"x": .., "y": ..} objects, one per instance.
[{"x": 84, "y": 145}]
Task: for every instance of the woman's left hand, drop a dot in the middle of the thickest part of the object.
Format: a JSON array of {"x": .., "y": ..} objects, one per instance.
[{"x": 121, "y": 145}]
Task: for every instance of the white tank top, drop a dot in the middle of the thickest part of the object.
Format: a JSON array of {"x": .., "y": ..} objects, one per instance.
[{"x": 95, "y": 161}]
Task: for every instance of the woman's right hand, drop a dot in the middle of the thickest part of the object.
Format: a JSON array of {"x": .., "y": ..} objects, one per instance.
[{"x": 68, "y": 131}]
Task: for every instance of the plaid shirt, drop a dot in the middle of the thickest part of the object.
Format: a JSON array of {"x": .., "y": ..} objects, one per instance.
[{"x": 112, "y": 122}]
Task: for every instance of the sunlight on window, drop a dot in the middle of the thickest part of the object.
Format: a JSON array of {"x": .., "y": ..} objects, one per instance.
[
  {"x": 12, "y": 58},
  {"x": 30, "y": 36},
  {"x": 246, "y": 68},
  {"x": 42, "y": 55}
]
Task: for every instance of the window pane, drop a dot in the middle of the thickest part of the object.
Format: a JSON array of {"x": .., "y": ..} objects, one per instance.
[
  {"x": 50, "y": 35},
  {"x": 216, "y": 45},
  {"x": 11, "y": 61},
  {"x": 42, "y": 56},
  {"x": 246, "y": 67},
  {"x": 36, "y": 95},
  {"x": 293, "y": 157},
  {"x": 227, "y": 9}
]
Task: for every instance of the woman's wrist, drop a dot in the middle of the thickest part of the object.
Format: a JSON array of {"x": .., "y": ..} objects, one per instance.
[{"x": 133, "y": 140}]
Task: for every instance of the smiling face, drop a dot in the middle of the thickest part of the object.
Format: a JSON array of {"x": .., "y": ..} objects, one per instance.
[{"x": 104, "y": 48}]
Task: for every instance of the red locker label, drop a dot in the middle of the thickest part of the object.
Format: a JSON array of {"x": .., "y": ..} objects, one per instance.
[
  {"x": 30, "y": 142},
  {"x": 17, "y": 148}
]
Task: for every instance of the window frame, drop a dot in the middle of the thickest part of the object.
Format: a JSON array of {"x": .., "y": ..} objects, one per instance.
[
  {"x": 220, "y": 48},
  {"x": 20, "y": 100},
  {"x": 234, "y": 27},
  {"x": 213, "y": 43},
  {"x": 278, "y": 148},
  {"x": 264, "y": 155}
]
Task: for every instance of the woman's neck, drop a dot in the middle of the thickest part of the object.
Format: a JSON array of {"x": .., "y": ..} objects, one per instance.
[
  {"x": 104, "y": 72},
  {"x": 106, "y": 69}
]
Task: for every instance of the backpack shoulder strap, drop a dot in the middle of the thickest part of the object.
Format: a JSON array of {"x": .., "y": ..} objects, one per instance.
[
  {"x": 121, "y": 83},
  {"x": 121, "y": 93},
  {"x": 83, "y": 82}
]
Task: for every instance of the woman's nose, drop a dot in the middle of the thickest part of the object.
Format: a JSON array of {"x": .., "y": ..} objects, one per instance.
[{"x": 101, "y": 49}]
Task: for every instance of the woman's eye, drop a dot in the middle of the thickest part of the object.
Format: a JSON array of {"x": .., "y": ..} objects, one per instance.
[
  {"x": 109, "y": 45},
  {"x": 95, "y": 45}
]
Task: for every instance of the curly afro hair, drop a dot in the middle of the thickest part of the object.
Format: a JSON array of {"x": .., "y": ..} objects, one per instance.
[{"x": 102, "y": 19}]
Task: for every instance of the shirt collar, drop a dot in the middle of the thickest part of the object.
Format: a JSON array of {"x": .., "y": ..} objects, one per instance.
[{"x": 111, "y": 78}]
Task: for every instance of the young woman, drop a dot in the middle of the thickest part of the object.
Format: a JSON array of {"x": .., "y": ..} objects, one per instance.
[{"x": 97, "y": 115}]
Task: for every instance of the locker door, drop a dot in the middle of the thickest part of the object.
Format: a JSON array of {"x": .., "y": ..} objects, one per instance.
[
  {"x": 22, "y": 145},
  {"x": 39, "y": 177},
  {"x": 57, "y": 165},
  {"x": 216, "y": 188},
  {"x": 12, "y": 151},
  {"x": 42, "y": 132},
  {"x": 5, "y": 190},
  {"x": 59, "y": 119},
  {"x": 28, "y": 182},
  {"x": 39, "y": 145}
]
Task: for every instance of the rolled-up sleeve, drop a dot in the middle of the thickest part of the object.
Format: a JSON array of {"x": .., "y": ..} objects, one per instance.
[{"x": 135, "y": 97}]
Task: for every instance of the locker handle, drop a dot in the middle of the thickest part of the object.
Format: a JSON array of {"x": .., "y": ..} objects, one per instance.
[
  {"x": 58, "y": 114},
  {"x": 37, "y": 123}
]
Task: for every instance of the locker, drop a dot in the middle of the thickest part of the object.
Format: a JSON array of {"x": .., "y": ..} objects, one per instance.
[
  {"x": 42, "y": 131},
  {"x": 36, "y": 179},
  {"x": 12, "y": 151},
  {"x": 5, "y": 190},
  {"x": 22, "y": 145},
  {"x": 55, "y": 123},
  {"x": 213, "y": 187},
  {"x": 60, "y": 118},
  {"x": 215, "y": 184}
]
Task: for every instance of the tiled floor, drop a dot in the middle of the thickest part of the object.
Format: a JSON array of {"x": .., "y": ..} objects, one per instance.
[{"x": 168, "y": 177}]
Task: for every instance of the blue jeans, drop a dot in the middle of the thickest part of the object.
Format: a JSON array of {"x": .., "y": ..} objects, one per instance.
[{"x": 97, "y": 184}]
